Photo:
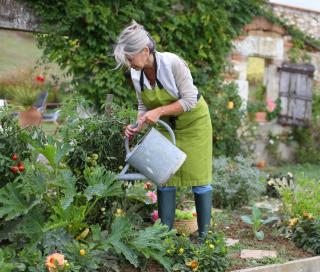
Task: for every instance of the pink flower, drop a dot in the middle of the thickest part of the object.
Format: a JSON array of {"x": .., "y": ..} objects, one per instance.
[
  {"x": 271, "y": 105},
  {"x": 155, "y": 215},
  {"x": 151, "y": 197}
]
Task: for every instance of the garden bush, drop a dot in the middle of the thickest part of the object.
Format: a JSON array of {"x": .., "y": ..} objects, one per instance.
[
  {"x": 235, "y": 182},
  {"x": 306, "y": 232},
  {"x": 13, "y": 148}
]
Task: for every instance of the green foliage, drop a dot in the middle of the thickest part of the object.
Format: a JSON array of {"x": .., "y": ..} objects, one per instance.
[
  {"x": 13, "y": 140},
  {"x": 44, "y": 211},
  {"x": 184, "y": 215},
  {"x": 83, "y": 33},
  {"x": 256, "y": 221},
  {"x": 306, "y": 234},
  {"x": 207, "y": 256},
  {"x": 225, "y": 120},
  {"x": 235, "y": 182},
  {"x": 95, "y": 140},
  {"x": 308, "y": 138}
]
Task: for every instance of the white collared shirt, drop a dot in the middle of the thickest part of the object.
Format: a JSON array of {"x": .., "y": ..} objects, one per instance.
[{"x": 175, "y": 77}]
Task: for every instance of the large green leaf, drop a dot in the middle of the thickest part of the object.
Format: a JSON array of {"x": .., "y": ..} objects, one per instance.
[
  {"x": 247, "y": 219},
  {"x": 13, "y": 202},
  {"x": 101, "y": 183},
  {"x": 120, "y": 229},
  {"x": 61, "y": 217}
]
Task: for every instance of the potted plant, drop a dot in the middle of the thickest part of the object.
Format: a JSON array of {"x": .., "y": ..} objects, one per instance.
[
  {"x": 185, "y": 221},
  {"x": 257, "y": 111},
  {"x": 24, "y": 96}
]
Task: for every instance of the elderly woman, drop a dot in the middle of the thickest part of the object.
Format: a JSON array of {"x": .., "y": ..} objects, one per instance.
[{"x": 164, "y": 89}]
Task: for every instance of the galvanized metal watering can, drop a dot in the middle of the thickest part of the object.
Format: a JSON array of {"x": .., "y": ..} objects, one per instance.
[{"x": 155, "y": 157}]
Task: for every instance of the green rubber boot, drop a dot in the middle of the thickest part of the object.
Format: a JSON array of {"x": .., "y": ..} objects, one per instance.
[
  {"x": 203, "y": 207},
  {"x": 167, "y": 206}
]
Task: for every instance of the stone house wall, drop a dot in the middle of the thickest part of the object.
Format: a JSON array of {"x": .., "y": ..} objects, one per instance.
[{"x": 266, "y": 40}]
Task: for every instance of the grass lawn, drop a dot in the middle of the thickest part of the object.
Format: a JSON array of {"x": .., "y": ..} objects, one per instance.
[
  {"x": 18, "y": 50},
  {"x": 299, "y": 171}
]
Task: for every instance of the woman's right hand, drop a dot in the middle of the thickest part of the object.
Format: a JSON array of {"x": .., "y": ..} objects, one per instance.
[{"x": 130, "y": 130}]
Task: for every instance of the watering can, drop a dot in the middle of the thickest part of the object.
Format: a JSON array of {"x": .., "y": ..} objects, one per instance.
[{"x": 155, "y": 157}]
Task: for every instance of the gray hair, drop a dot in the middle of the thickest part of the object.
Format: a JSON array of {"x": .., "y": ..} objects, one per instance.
[{"x": 132, "y": 40}]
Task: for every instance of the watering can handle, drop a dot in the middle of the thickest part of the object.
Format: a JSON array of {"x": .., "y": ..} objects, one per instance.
[{"x": 162, "y": 123}]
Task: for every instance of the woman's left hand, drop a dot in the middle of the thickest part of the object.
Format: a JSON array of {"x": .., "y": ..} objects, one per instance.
[{"x": 152, "y": 116}]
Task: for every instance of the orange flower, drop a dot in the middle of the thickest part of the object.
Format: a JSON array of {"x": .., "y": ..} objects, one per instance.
[
  {"x": 193, "y": 265},
  {"x": 54, "y": 262},
  {"x": 147, "y": 185}
]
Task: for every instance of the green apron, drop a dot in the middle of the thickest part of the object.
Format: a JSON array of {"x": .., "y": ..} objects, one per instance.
[{"x": 193, "y": 133}]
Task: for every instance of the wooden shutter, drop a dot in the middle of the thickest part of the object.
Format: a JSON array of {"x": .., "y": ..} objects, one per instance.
[{"x": 296, "y": 94}]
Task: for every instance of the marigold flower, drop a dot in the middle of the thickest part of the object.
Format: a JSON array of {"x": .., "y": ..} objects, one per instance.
[
  {"x": 211, "y": 246},
  {"x": 54, "y": 262},
  {"x": 293, "y": 222},
  {"x": 181, "y": 250},
  {"x": 193, "y": 265},
  {"x": 82, "y": 252}
]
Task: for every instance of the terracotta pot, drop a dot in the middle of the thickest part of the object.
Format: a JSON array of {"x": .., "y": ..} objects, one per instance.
[
  {"x": 261, "y": 117},
  {"x": 31, "y": 117},
  {"x": 186, "y": 226},
  {"x": 261, "y": 164}
]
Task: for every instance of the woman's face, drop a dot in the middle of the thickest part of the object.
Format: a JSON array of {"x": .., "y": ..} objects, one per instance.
[{"x": 139, "y": 60}]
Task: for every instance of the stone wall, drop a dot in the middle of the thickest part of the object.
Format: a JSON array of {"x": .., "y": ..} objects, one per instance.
[
  {"x": 264, "y": 39},
  {"x": 306, "y": 20}
]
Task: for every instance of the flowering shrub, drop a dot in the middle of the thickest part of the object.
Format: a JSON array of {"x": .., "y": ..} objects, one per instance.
[
  {"x": 306, "y": 232},
  {"x": 279, "y": 183},
  {"x": 208, "y": 256}
]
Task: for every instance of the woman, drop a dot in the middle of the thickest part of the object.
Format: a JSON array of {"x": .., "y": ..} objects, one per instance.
[{"x": 164, "y": 89}]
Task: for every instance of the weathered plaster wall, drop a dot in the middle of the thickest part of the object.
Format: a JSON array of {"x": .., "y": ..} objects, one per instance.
[{"x": 16, "y": 16}]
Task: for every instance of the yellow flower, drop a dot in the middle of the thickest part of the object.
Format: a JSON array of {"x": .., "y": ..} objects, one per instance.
[
  {"x": 230, "y": 105},
  {"x": 211, "y": 246},
  {"x": 210, "y": 232},
  {"x": 293, "y": 222},
  {"x": 119, "y": 212},
  {"x": 82, "y": 252},
  {"x": 168, "y": 251},
  {"x": 181, "y": 250}
]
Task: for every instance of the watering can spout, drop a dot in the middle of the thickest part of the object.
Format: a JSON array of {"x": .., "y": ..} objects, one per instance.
[{"x": 131, "y": 176}]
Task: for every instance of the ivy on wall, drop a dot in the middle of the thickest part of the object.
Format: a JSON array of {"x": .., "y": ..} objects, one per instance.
[{"x": 81, "y": 34}]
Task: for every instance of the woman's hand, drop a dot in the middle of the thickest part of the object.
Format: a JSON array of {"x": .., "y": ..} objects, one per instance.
[{"x": 152, "y": 116}]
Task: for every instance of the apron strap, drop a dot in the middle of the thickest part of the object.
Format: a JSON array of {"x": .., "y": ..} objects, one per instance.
[{"x": 155, "y": 69}]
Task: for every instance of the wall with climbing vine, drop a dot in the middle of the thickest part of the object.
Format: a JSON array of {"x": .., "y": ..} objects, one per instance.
[{"x": 80, "y": 35}]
